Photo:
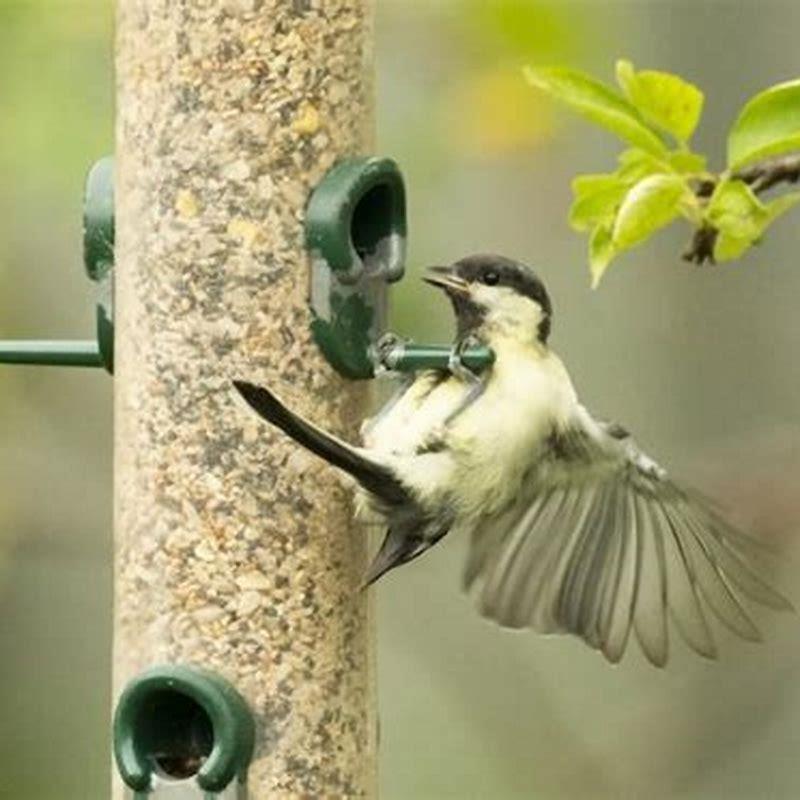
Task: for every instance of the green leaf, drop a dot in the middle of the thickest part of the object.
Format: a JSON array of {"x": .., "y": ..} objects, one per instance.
[
  {"x": 687, "y": 163},
  {"x": 736, "y": 211},
  {"x": 597, "y": 102},
  {"x": 769, "y": 125},
  {"x": 589, "y": 184},
  {"x": 729, "y": 248},
  {"x": 597, "y": 198},
  {"x": 601, "y": 252},
  {"x": 741, "y": 218},
  {"x": 650, "y": 205},
  {"x": 635, "y": 164},
  {"x": 664, "y": 100},
  {"x": 782, "y": 204}
]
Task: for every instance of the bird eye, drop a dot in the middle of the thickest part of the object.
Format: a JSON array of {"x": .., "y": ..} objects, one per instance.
[{"x": 490, "y": 278}]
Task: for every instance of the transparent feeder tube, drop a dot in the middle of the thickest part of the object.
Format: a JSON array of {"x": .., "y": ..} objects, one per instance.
[{"x": 235, "y": 552}]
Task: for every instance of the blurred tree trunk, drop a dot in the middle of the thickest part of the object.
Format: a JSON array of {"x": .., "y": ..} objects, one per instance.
[{"x": 235, "y": 551}]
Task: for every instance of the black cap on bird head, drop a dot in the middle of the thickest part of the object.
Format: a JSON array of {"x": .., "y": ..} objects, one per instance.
[{"x": 461, "y": 279}]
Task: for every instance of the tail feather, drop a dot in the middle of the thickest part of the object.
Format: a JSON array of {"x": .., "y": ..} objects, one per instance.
[
  {"x": 376, "y": 478},
  {"x": 401, "y": 545}
]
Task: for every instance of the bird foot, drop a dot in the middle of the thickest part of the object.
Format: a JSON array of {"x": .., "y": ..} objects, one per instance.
[
  {"x": 455, "y": 361},
  {"x": 383, "y": 350}
]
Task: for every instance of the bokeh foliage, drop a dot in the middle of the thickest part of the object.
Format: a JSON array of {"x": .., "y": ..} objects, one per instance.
[
  {"x": 660, "y": 178},
  {"x": 54, "y": 98}
]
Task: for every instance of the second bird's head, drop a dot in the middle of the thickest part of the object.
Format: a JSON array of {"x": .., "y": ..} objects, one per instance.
[{"x": 493, "y": 295}]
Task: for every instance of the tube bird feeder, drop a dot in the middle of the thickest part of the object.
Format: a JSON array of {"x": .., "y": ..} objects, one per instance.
[{"x": 235, "y": 553}]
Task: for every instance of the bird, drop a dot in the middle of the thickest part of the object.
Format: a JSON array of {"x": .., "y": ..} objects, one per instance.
[{"x": 573, "y": 528}]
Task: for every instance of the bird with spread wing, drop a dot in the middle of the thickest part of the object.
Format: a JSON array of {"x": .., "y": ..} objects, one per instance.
[{"x": 572, "y": 527}]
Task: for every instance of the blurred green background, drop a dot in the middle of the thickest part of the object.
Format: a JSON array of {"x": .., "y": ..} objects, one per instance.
[{"x": 701, "y": 363}]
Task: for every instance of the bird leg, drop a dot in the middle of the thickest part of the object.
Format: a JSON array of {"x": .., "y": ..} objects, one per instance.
[
  {"x": 476, "y": 385},
  {"x": 369, "y": 424},
  {"x": 383, "y": 348}
]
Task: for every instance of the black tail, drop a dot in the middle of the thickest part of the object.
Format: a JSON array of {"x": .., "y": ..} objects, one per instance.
[{"x": 375, "y": 478}]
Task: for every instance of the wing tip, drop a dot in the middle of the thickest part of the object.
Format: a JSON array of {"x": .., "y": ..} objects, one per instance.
[
  {"x": 709, "y": 655},
  {"x": 657, "y": 654},
  {"x": 781, "y": 604}
]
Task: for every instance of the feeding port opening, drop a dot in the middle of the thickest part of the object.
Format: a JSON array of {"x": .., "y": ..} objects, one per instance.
[{"x": 176, "y": 733}]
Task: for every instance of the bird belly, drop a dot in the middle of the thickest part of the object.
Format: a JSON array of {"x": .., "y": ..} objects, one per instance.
[
  {"x": 474, "y": 463},
  {"x": 417, "y": 417},
  {"x": 499, "y": 440}
]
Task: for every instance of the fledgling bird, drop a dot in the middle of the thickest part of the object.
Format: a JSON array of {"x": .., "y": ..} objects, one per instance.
[{"x": 573, "y": 529}]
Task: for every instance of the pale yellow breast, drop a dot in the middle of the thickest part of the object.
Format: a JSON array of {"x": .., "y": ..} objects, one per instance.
[
  {"x": 488, "y": 447},
  {"x": 498, "y": 440},
  {"x": 419, "y": 414}
]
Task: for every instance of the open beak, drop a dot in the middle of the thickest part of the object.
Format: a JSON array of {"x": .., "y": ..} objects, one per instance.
[{"x": 444, "y": 278}]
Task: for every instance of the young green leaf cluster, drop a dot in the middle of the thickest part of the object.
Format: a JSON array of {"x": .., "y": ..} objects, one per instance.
[{"x": 660, "y": 179}]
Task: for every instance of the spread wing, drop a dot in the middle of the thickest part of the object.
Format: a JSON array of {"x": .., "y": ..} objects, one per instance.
[{"x": 601, "y": 543}]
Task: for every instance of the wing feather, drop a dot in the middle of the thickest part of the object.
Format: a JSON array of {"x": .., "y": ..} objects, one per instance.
[
  {"x": 649, "y": 616},
  {"x": 730, "y": 564},
  {"x": 485, "y": 540},
  {"x": 537, "y": 594},
  {"x": 614, "y": 569},
  {"x": 600, "y": 542},
  {"x": 627, "y": 585},
  {"x": 545, "y": 614},
  {"x": 523, "y": 524},
  {"x": 711, "y": 583},
  {"x": 585, "y": 581},
  {"x": 685, "y": 608},
  {"x": 497, "y": 588},
  {"x": 534, "y": 545},
  {"x": 603, "y": 582}
]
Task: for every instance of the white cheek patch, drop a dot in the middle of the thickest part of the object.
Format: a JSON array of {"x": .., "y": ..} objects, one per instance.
[{"x": 508, "y": 310}]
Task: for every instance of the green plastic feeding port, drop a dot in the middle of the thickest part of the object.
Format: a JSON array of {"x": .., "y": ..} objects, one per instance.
[
  {"x": 183, "y": 732},
  {"x": 356, "y": 238},
  {"x": 98, "y": 255},
  {"x": 98, "y": 220}
]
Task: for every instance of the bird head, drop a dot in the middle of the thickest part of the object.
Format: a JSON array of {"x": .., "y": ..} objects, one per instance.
[{"x": 493, "y": 295}]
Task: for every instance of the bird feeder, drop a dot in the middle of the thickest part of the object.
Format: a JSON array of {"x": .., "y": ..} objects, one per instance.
[{"x": 182, "y": 733}]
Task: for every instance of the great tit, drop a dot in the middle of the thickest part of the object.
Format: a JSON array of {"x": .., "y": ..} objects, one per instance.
[{"x": 573, "y": 528}]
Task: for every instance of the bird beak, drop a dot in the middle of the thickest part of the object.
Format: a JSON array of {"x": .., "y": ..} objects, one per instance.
[{"x": 444, "y": 278}]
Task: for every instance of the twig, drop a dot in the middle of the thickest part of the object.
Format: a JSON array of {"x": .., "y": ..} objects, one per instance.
[
  {"x": 701, "y": 246},
  {"x": 760, "y": 178}
]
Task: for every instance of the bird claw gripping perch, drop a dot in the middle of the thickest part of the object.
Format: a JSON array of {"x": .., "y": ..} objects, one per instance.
[
  {"x": 476, "y": 384},
  {"x": 456, "y": 363},
  {"x": 391, "y": 351},
  {"x": 386, "y": 351},
  {"x": 356, "y": 238}
]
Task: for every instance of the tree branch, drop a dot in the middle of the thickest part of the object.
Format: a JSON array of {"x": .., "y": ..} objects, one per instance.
[
  {"x": 701, "y": 246},
  {"x": 760, "y": 178}
]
